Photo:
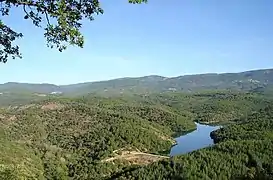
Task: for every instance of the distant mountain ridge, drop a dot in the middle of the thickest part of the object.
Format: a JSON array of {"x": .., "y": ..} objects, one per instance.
[{"x": 243, "y": 81}]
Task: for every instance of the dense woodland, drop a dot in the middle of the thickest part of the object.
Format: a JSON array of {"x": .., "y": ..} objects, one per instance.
[
  {"x": 68, "y": 138},
  {"x": 243, "y": 151}
]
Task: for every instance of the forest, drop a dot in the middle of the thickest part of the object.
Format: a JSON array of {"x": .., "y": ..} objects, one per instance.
[
  {"x": 75, "y": 138},
  {"x": 242, "y": 151}
]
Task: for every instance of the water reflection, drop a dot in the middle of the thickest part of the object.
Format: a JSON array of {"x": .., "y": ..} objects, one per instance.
[{"x": 197, "y": 139}]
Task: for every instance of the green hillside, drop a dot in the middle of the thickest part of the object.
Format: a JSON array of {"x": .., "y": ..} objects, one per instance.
[
  {"x": 258, "y": 80},
  {"x": 72, "y": 137},
  {"x": 128, "y": 137}
]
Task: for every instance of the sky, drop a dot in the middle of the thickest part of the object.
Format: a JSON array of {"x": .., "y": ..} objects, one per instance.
[{"x": 167, "y": 38}]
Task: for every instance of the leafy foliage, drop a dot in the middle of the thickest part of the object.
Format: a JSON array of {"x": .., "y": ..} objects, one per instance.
[
  {"x": 60, "y": 19},
  {"x": 7, "y": 35},
  {"x": 17, "y": 161}
]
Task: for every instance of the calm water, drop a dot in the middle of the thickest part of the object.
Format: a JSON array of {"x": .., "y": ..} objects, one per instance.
[{"x": 197, "y": 139}]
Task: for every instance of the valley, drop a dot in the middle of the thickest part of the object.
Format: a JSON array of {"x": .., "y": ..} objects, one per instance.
[
  {"x": 131, "y": 136},
  {"x": 136, "y": 90}
]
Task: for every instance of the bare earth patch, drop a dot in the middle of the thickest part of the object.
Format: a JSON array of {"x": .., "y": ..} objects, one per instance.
[
  {"x": 12, "y": 118},
  {"x": 7, "y": 120},
  {"x": 134, "y": 157},
  {"x": 52, "y": 106}
]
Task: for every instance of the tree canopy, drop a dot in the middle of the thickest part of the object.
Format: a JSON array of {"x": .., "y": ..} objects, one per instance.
[
  {"x": 61, "y": 20},
  {"x": 129, "y": 136}
]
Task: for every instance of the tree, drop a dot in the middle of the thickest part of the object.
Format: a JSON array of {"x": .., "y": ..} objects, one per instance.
[{"x": 61, "y": 20}]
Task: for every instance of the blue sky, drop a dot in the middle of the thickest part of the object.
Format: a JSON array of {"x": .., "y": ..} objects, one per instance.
[{"x": 167, "y": 38}]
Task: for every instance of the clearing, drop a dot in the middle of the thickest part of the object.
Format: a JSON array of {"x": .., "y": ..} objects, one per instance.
[{"x": 136, "y": 157}]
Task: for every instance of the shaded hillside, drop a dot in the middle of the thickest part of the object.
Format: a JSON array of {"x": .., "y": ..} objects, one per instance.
[{"x": 245, "y": 81}]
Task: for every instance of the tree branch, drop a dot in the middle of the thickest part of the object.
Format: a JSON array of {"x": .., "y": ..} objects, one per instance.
[
  {"x": 30, "y": 4},
  {"x": 24, "y": 7},
  {"x": 47, "y": 18}
]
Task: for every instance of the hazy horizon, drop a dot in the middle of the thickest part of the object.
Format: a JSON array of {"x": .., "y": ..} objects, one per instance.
[
  {"x": 135, "y": 77},
  {"x": 190, "y": 37}
]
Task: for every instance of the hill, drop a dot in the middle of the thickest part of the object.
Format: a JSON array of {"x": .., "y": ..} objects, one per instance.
[
  {"x": 257, "y": 80},
  {"x": 61, "y": 138},
  {"x": 117, "y": 137}
]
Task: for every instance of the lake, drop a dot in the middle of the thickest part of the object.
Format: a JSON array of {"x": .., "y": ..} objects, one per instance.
[{"x": 200, "y": 138}]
